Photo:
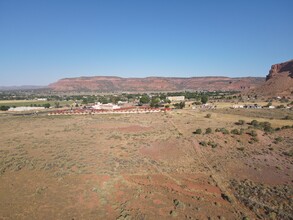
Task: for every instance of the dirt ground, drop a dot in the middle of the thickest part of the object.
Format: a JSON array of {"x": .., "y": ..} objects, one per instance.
[{"x": 145, "y": 166}]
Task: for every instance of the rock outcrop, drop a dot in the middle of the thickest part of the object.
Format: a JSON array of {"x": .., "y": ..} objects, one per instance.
[
  {"x": 279, "y": 81},
  {"x": 118, "y": 84},
  {"x": 281, "y": 68}
]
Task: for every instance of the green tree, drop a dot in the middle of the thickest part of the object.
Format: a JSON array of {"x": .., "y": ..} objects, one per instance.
[
  {"x": 57, "y": 104},
  {"x": 4, "y": 108},
  {"x": 84, "y": 101},
  {"x": 204, "y": 99},
  {"x": 155, "y": 102},
  {"x": 103, "y": 100},
  {"x": 180, "y": 105},
  {"x": 46, "y": 105},
  {"x": 144, "y": 99}
]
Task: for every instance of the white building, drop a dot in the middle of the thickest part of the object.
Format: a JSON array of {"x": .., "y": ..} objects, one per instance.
[
  {"x": 108, "y": 106},
  {"x": 24, "y": 108},
  {"x": 176, "y": 98}
]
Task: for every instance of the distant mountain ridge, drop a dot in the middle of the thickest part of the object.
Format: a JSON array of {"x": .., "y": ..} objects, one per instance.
[
  {"x": 25, "y": 87},
  {"x": 119, "y": 84}
]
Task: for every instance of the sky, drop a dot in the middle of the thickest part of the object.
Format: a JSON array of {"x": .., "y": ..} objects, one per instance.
[{"x": 42, "y": 41}]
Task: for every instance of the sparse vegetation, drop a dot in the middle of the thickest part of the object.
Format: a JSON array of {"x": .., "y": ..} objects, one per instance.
[
  {"x": 222, "y": 130},
  {"x": 265, "y": 126},
  {"x": 274, "y": 199},
  {"x": 137, "y": 146},
  {"x": 278, "y": 139},
  {"x": 236, "y": 131},
  {"x": 212, "y": 144},
  {"x": 180, "y": 105}
]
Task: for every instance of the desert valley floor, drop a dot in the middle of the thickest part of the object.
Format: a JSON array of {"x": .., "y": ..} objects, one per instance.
[{"x": 146, "y": 166}]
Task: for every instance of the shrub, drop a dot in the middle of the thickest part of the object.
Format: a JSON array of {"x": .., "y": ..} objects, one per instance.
[
  {"x": 240, "y": 122},
  {"x": 203, "y": 143},
  {"x": 289, "y": 153},
  {"x": 197, "y": 131},
  {"x": 253, "y": 140},
  {"x": 281, "y": 106},
  {"x": 286, "y": 127},
  {"x": 208, "y": 131},
  {"x": 235, "y": 131},
  {"x": 223, "y": 130},
  {"x": 254, "y": 123},
  {"x": 253, "y": 133},
  {"x": 266, "y": 126},
  {"x": 208, "y": 115},
  {"x": 212, "y": 144},
  {"x": 180, "y": 105},
  {"x": 196, "y": 103},
  {"x": 288, "y": 118},
  {"x": 278, "y": 139}
]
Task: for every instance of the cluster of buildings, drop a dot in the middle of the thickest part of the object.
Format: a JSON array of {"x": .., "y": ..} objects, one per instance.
[
  {"x": 94, "y": 111},
  {"x": 109, "y": 106},
  {"x": 252, "y": 106}
]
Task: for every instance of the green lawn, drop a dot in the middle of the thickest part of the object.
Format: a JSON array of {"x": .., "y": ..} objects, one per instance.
[{"x": 29, "y": 102}]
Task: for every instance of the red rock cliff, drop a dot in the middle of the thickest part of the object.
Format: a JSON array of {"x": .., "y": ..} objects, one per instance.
[{"x": 281, "y": 68}]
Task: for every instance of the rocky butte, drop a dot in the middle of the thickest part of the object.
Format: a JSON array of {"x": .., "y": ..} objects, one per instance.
[
  {"x": 279, "y": 81},
  {"x": 118, "y": 84}
]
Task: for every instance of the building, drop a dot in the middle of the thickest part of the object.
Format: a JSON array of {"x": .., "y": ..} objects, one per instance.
[
  {"x": 108, "y": 106},
  {"x": 176, "y": 98},
  {"x": 25, "y": 108}
]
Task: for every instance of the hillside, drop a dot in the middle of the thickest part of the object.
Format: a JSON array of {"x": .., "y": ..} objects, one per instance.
[
  {"x": 111, "y": 84},
  {"x": 279, "y": 81}
]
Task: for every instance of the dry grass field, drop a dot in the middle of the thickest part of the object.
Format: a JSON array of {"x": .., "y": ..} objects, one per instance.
[{"x": 147, "y": 166}]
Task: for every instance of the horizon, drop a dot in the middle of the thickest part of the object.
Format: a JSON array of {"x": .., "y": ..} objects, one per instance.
[{"x": 43, "y": 42}]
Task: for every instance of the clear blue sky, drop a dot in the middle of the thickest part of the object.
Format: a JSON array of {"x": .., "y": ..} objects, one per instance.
[{"x": 42, "y": 41}]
